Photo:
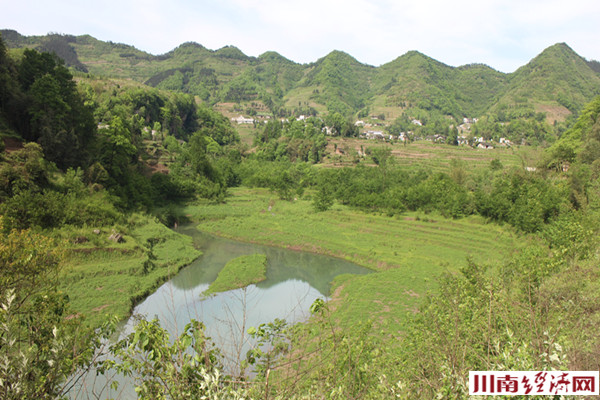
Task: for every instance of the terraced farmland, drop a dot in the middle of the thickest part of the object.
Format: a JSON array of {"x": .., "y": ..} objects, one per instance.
[{"x": 437, "y": 157}]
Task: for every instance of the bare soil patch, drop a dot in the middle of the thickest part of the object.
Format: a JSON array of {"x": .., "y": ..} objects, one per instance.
[
  {"x": 553, "y": 112},
  {"x": 98, "y": 309},
  {"x": 12, "y": 144}
]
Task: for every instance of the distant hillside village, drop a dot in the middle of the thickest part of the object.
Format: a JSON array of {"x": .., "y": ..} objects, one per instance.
[{"x": 378, "y": 131}]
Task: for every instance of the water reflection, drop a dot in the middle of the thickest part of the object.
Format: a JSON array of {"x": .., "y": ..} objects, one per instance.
[{"x": 294, "y": 280}]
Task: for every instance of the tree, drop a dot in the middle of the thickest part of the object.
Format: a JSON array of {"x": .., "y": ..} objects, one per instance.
[
  {"x": 452, "y": 136},
  {"x": 283, "y": 185},
  {"x": 185, "y": 367},
  {"x": 323, "y": 199},
  {"x": 41, "y": 347},
  {"x": 382, "y": 157},
  {"x": 55, "y": 113},
  {"x": 117, "y": 150}
]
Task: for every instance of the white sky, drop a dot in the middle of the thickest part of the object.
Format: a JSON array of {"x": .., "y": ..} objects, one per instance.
[{"x": 505, "y": 34}]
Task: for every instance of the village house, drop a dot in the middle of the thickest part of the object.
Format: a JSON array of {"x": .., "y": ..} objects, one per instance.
[
  {"x": 375, "y": 135},
  {"x": 436, "y": 138},
  {"x": 328, "y": 131},
  {"x": 464, "y": 128},
  {"x": 462, "y": 140},
  {"x": 243, "y": 120}
]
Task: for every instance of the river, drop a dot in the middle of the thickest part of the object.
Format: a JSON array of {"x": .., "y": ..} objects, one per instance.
[{"x": 294, "y": 281}]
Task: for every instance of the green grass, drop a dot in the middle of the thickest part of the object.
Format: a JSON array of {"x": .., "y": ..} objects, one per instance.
[
  {"x": 371, "y": 240},
  {"x": 408, "y": 252},
  {"x": 240, "y": 272},
  {"x": 102, "y": 277}
]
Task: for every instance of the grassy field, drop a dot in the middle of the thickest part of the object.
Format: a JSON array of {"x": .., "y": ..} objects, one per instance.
[
  {"x": 102, "y": 277},
  {"x": 408, "y": 252},
  {"x": 240, "y": 272}
]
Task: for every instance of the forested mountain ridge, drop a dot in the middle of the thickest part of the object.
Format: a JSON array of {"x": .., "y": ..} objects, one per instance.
[
  {"x": 556, "y": 77},
  {"x": 556, "y": 82}
]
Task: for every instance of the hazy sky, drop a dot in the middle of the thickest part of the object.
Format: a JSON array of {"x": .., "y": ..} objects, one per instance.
[{"x": 504, "y": 34}]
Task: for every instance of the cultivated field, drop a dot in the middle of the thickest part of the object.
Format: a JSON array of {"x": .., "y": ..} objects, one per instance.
[{"x": 432, "y": 156}]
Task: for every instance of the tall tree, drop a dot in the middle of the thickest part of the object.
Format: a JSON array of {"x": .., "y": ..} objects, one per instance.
[{"x": 56, "y": 116}]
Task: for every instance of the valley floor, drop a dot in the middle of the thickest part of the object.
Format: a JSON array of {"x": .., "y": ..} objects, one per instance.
[{"x": 408, "y": 252}]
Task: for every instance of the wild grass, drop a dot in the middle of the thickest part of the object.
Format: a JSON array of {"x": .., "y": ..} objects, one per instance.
[{"x": 240, "y": 272}]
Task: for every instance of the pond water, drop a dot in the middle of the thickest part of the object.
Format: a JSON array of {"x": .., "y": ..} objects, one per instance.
[{"x": 294, "y": 281}]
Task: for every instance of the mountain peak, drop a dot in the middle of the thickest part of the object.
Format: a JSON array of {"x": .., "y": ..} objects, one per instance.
[
  {"x": 273, "y": 56},
  {"x": 231, "y": 52},
  {"x": 558, "y": 51},
  {"x": 191, "y": 45},
  {"x": 338, "y": 54}
]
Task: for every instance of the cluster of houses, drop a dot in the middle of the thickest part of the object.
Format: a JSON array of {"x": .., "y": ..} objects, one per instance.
[
  {"x": 466, "y": 125},
  {"x": 377, "y": 135},
  {"x": 463, "y": 138},
  {"x": 244, "y": 120},
  {"x": 481, "y": 143}
]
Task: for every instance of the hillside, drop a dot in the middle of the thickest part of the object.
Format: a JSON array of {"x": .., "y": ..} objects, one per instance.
[
  {"x": 557, "y": 82},
  {"x": 337, "y": 81},
  {"x": 417, "y": 81}
]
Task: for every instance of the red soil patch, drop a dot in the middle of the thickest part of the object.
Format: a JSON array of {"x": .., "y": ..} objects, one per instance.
[
  {"x": 98, "y": 309},
  {"x": 411, "y": 293},
  {"x": 336, "y": 297},
  {"x": 162, "y": 168},
  {"x": 553, "y": 112},
  {"x": 385, "y": 307}
]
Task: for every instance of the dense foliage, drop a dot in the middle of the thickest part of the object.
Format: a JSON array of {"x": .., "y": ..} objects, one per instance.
[
  {"x": 292, "y": 141},
  {"x": 90, "y": 146}
]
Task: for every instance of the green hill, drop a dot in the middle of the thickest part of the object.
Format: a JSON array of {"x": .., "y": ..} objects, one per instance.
[
  {"x": 557, "y": 82},
  {"x": 337, "y": 81}
]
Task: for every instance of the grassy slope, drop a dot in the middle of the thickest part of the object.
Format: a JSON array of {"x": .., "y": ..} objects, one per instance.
[
  {"x": 408, "y": 252},
  {"x": 102, "y": 277}
]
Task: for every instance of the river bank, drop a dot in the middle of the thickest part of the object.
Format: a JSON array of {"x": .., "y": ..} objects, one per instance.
[{"x": 104, "y": 277}]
